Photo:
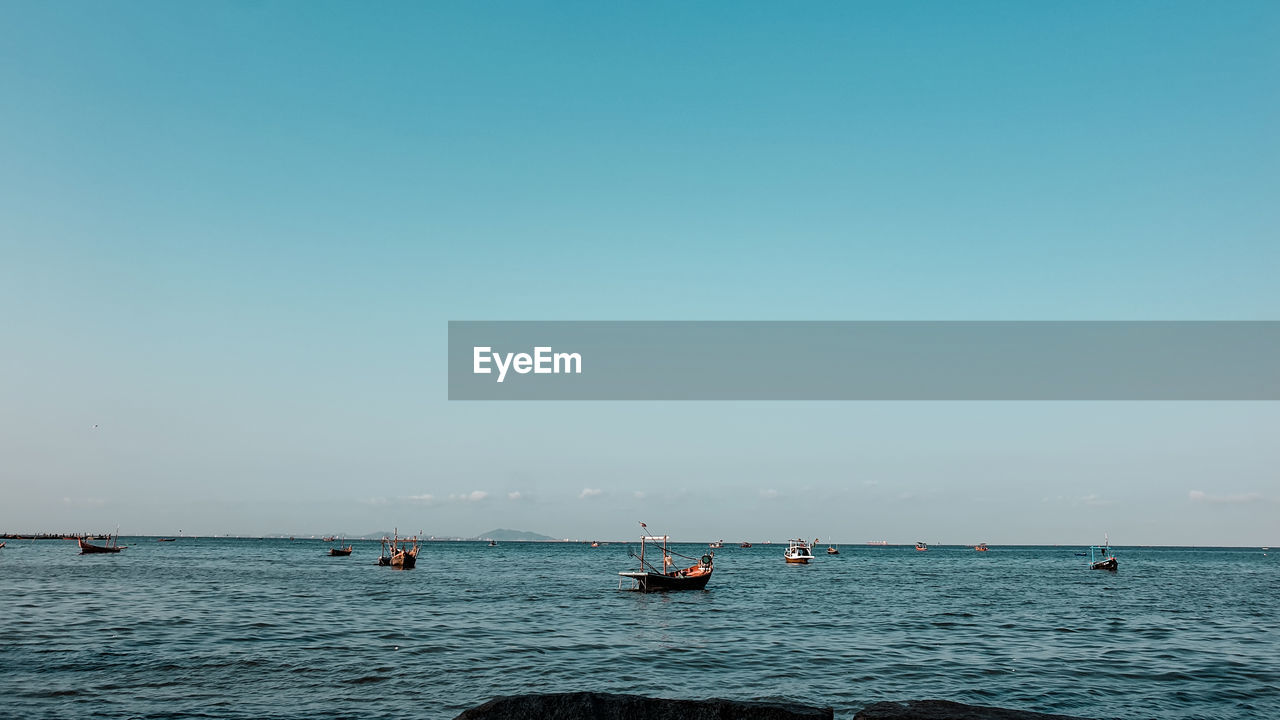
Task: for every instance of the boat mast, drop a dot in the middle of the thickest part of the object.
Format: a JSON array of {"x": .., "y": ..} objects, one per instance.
[{"x": 644, "y": 530}]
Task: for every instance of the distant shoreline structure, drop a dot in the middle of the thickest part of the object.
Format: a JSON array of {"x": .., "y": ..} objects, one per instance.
[
  {"x": 56, "y": 536},
  {"x": 545, "y": 540}
]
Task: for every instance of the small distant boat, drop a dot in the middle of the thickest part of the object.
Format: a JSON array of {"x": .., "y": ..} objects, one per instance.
[
  {"x": 90, "y": 549},
  {"x": 981, "y": 547},
  {"x": 493, "y": 543},
  {"x": 831, "y": 550},
  {"x": 744, "y": 544},
  {"x": 595, "y": 544},
  {"x": 922, "y": 547},
  {"x": 716, "y": 545},
  {"x": 340, "y": 551},
  {"x": 1102, "y": 558},
  {"x": 798, "y": 552},
  {"x": 327, "y": 538},
  {"x": 166, "y": 539},
  {"x": 650, "y": 578},
  {"x": 399, "y": 553}
]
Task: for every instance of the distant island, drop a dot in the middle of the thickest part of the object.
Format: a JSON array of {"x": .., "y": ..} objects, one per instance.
[{"x": 514, "y": 536}]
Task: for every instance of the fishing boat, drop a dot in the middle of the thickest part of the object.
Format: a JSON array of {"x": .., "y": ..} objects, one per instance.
[
  {"x": 832, "y": 550},
  {"x": 399, "y": 552},
  {"x": 166, "y": 539},
  {"x": 922, "y": 547},
  {"x": 493, "y": 543},
  {"x": 595, "y": 543},
  {"x": 340, "y": 551},
  {"x": 329, "y": 538},
  {"x": 744, "y": 544},
  {"x": 798, "y": 552},
  {"x": 716, "y": 545},
  {"x": 650, "y": 578},
  {"x": 1101, "y": 556},
  {"x": 981, "y": 547},
  {"x": 90, "y": 549}
]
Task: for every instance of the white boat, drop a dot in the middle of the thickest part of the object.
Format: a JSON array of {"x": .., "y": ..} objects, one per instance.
[
  {"x": 717, "y": 545},
  {"x": 798, "y": 551}
]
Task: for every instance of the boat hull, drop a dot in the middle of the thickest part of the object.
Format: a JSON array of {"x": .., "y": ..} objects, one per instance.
[
  {"x": 656, "y": 582},
  {"x": 87, "y": 549},
  {"x": 339, "y": 552},
  {"x": 1108, "y": 564},
  {"x": 404, "y": 561},
  {"x": 798, "y": 560}
]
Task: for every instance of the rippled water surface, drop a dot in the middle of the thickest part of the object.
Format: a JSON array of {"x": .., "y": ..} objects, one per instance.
[{"x": 231, "y": 628}]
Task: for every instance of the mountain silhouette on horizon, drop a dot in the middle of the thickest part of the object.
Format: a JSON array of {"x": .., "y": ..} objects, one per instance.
[{"x": 513, "y": 535}]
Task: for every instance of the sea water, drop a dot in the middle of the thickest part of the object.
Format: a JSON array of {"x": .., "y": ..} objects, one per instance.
[{"x": 237, "y": 628}]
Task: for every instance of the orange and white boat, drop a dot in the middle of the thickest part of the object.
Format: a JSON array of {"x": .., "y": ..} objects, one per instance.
[
  {"x": 398, "y": 552},
  {"x": 922, "y": 547},
  {"x": 798, "y": 552}
]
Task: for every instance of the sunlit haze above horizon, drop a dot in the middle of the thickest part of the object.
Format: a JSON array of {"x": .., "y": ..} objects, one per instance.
[{"x": 233, "y": 234}]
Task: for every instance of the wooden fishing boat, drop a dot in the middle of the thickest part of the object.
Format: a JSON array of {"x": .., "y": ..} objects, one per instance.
[
  {"x": 832, "y": 550},
  {"x": 798, "y": 552},
  {"x": 1101, "y": 557},
  {"x": 397, "y": 552},
  {"x": 981, "y": 547},
  {"x": 744, "y": 544},
  {"x": 90, "y": 549},
  {"x": 165, "y": 539},
  {"x": 922, "y": 547},
  {"x": 650, "y": 578},
  {"x": 340, "y": 551},
  {"x": 716, "y": 545}
]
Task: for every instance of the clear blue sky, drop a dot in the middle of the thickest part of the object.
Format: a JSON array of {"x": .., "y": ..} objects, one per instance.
[{"x": 232, "y": 234}]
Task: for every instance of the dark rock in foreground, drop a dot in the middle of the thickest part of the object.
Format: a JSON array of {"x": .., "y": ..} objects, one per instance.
[
  {"x": 945, "y": 710},
  {"x": 605, "y": 706}
]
